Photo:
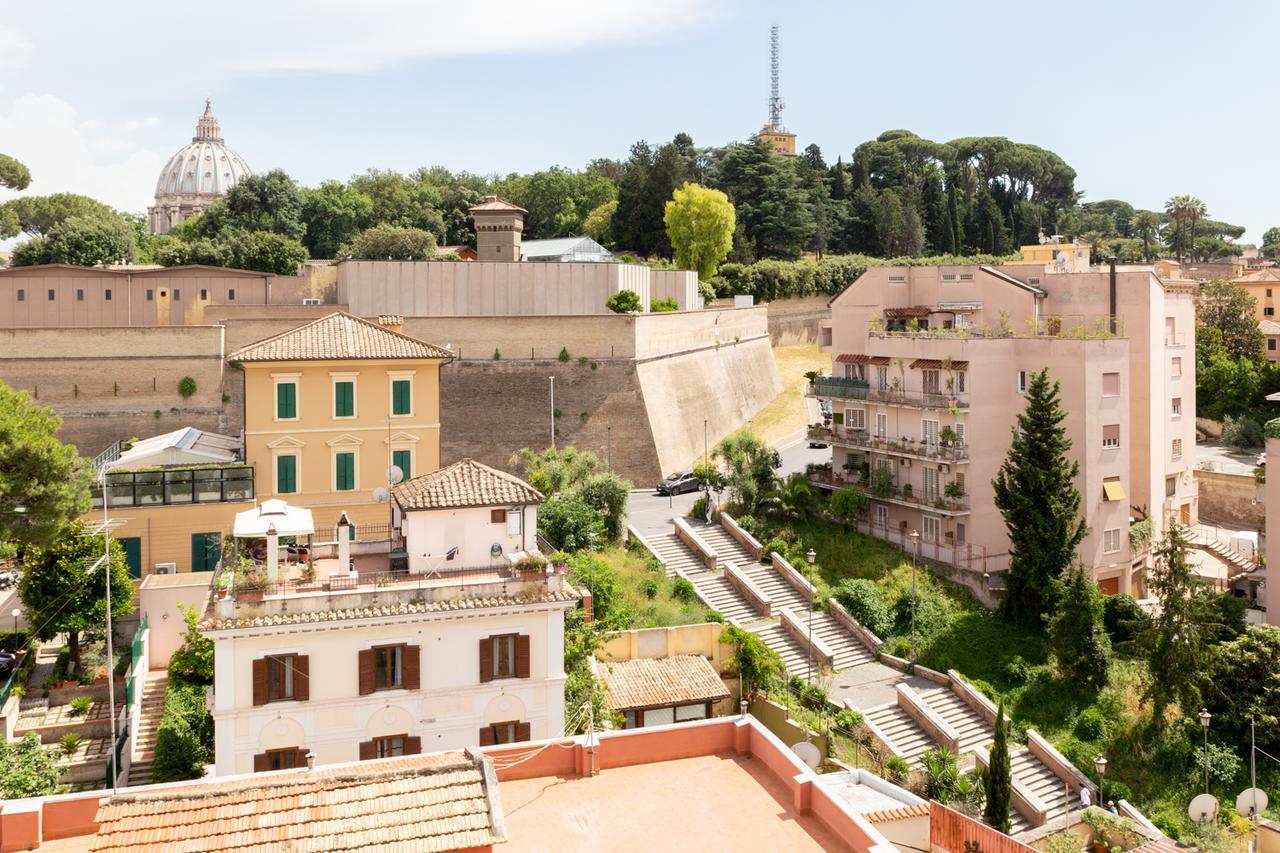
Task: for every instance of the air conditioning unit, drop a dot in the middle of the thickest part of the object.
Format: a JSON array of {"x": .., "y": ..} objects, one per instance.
[
  {"x": 310, "y": 300},
  {"x": 944, "y": 468},
  {"x": 906, "y": 463},
  {"x": 166, "y": 568}
]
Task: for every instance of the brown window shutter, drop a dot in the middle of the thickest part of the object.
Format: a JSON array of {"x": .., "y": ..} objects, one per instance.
[
  {"x": 497, "y": 516},
  {"x": 260, "y": 681},
  {"x": 261, "y": 761},
  {"x": 412, "y": 667},
  {"x": 486, "y": 736},
  {"x": 301, "y": 677},
  {"x": 368, "y": 679},
  {"x": 367, "y": 750},
  {"x": 486, "y": 660},
  {"x": 522, "y": 732},
  {"x": 413, "y": 746},
  {"x": 522, "y": 656}
]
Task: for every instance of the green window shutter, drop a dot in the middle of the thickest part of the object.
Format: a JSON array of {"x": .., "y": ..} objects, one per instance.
[
  {"x": 132, "y": 546},
  {"x": 345, "y": 477},
  {"x": 400, "y": 459},
  {"x": 286, "y": 474},
  {"x": 205, "y": 550},
  {"x": 286, "y": 400},
  {"x": 344, "y": 399},
  {"x": 401, "y": 403}
]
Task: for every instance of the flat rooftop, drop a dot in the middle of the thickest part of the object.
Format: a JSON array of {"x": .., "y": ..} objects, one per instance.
[{"x": 708, "y": 802}]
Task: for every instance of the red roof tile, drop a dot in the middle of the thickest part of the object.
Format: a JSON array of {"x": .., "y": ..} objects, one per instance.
[{"x": 656, "y": 682}]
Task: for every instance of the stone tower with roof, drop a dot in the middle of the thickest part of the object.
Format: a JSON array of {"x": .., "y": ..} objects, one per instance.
[{"x": 499, "y": 225}]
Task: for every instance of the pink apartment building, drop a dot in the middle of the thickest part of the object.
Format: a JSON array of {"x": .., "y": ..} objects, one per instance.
[{"x": 929, "y": 369}]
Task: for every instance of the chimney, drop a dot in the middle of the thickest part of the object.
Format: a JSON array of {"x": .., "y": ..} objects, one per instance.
[{"x": 394, "y": 322}]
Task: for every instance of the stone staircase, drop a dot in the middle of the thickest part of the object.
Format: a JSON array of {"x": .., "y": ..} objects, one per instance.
[
  {"x": 794, "y": 657},
  {"x": 1031, "y": 773},
  {"x": 903, "y": 733},
  {"x": 849, "y": 651},
  {"x": 973, "y": 730},
  {"x": 144, "y": 739},
  {"x": 1238, "y": 562},
  {"x": 675, "y": 554}
]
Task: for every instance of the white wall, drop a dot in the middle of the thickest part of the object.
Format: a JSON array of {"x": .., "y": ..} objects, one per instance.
[
  {"x": 447, "y": 711},
  {"x": 430, "y": 534}
]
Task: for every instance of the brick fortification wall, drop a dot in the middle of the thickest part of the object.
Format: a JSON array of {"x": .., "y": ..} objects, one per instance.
[
  {"x": 110, "y": 383},
  {"x": 655, "y": 379}
]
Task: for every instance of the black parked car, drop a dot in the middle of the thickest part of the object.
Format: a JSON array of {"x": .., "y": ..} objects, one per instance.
[
  {"x": 8, "y": 663},
  {"x": 678, "y": 484}
]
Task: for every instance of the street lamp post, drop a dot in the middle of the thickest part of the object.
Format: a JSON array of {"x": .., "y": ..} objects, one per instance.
[
  {"x": 1205, "y": 716},
  {"x": 16, "y": 613},
  {"x": 811, "y": 556},
  {"x": 1100, "y": 764},
  {"x": 915, "y": 553},
  {"x": 553, "y": 413}
]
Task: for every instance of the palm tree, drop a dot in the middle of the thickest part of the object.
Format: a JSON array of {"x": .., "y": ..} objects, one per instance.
[
  {"x": 792, "y": 501},
  {"x": 1176, "y": 209},
  {"x": 1146, "y": 224},
  {"x": 1196, "y": 210}
]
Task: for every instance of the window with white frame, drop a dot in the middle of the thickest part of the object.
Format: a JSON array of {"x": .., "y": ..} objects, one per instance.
[
  {"x": 1111, "y": 541},
  {"x": 931, "y": 484},
  {"x": 1175, "y": 407},
  {"x": 855, "y": 371},
  {"x": 855, "y": 419},
  {"x": 513, "y": 522},
  {"x": 1110, "y": 435},
  {"x": 882, "y": 424},
  {"x": 959, "y": 428},
  {"x": 882, "y": 515},
  {"x": 960, "y": 381},
  {"x": 1022, "y": 382},
  {"x": 929, "y": 432},
  {"x": 932, "y": 529}
]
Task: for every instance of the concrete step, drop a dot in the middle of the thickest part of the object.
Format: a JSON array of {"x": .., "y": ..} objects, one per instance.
[
  {"x": 972, "y": 729},
  {"x": 723, "y": 543},
  {"x": 794, "y": 657},
  {"x": 724, "y": 597},
  {"x": 902, "y": 732},
  {"x": 781, "y": 593}
]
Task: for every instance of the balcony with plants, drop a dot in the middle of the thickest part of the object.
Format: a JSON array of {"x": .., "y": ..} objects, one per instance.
[
  {"x": 894, "y": 393},
  {"x": 881, "y": 484},
  {"x": 948, "y": 447}
]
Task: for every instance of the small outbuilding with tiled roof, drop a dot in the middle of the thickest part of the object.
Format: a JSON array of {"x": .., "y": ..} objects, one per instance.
[
  {"x": 442, "y": 801},
  {"x": 467, "y": 515},
  {"x": 657, "y": 691},
  {"x": 338, "y": 337}
]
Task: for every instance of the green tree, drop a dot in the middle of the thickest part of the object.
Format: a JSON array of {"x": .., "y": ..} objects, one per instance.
[
  {"x": 38, "y": 214},
  {"x": 82, "y": 241},
  {"x": 1231, "y": 310},
  {"x": 27, "y": 768},
  {"x": 599, "y": 222},
  {"x": 700, "y": 225},
  {"x": 382, "y": 242},
  {"x": 332, "y": 214},
  {"x": 607, "y": 494},
  {"x": 267, "y": 202},
  {"x": 1175, "y": 639},
  {"x": 264, "y": 251},
  {"x": 998, "y": 778},
  {"x": 1271, "y": 242},
  {"x": 847, "y": 504},
  {"x": 13, "y": 175},
  {"x": 759, "y": 666},
  {"x": 1146, "y": 225},
  {"x": 624, "y": 302},
  {"x": 401, "y": 200},
  {"x": 748, "y": 466},
  {"x": 767, "y": 199},
  {"x": 44, "y": 484},
  {"x": 1035, "y": 492},
  {"x": 556, "y": 470},
  {"x": 1241, "y": 684},
  {"x": 1177, "y": 211},
  {"x": 1077, "y": 637},
  {"x": 193, "y": 660},
  {"x": 571, "y": 525},
  {"x": 790, "y": 501},
  {"x": 63, "y": 596}
]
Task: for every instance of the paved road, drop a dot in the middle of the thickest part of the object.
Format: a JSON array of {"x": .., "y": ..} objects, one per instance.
[{"x": 650, "y": 512}]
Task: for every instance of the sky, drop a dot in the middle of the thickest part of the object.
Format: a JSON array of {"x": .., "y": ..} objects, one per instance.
[{"x": 1145, "y": 100}]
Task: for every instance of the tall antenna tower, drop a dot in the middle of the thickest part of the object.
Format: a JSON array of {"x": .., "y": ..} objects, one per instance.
[{"x": 775, "y": 99}]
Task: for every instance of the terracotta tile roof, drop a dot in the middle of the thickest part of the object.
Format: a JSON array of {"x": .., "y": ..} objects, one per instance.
[
  {"x": 1160, "y": 845},
  {"x": 404, "y": 608},
  {"x": 492, "y": 202},
  {"x": 444, "y": 801},
  {"x": 1269, "y": 327},
  {"x": 936, "y": 364},
  {"x": 861, "y": 359},
  {"x": 1260, "y": 275},
  {"x": 655, "y": 682},
  {"x": 338, "y": 336},
  {"x": 918, "y": 810},
  {"x": 462, "y": 484}
]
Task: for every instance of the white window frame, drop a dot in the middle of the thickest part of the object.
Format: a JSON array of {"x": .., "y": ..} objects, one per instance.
[
  {"x": 882, "y": 515},
  {"x": 861, "y": 418},
  {"x": 929, "y": 430},
  {"x": 517, "y": 516},
  {"x": 1021, "y": 385},
  {"x": 931, "y": 484},
  {"x": 958, "y": 427},
  {"x": 344, "y": 376},
  {"x": 278, "y": 379},
  {"x": 931, "y": 529},
  {"x": 1111, "y": 541},
  {"x": 882, "y": 376},
  {"x": 882, "y": 424},
  {"x": 344, "y": 447},
  {"x": 1109, "y": 443},
  {"x": 401, "y": 375}
]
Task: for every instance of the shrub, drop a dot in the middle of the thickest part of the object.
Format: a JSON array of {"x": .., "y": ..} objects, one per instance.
[
  {"x": 1123, "y": 618},
  {"x": 759, "y": 665},
  {"x": 599, "y": 578},
  {"x": 27, "y": 769},
  {"x": 1090, "y": 725},
  {"x": 1242, "y": 431},
  {"x": 649, "y": 588},
  {"x": 69, "y": 742},
  {"x": 186, "y": 387},
  {"x": 80, "y": 706},
  {"x": 661, "y": 306},
  {"x": 607, "y": 494},
  {"x": 699, "y": 508},
  {"x": 683, "y": 590},
  {"x": 193, "y": 660},
  {"x": 714, "y": 616},
  {"x": 497, "y": 354},
  {"x": 862, "y": 599},
  {"x": 571, "y": 525},
  {"x": 184, "y": 738},
  {"x": 775, "y": 546},
  {"x": 623, "y": 302},
  {"x": 1017, "y": 670},
  {"x": 529, "y": 564},
  {"x": 747, "y": 523},
  {"x": 897, "y": 769},
  {"x": 848, "y": 719},
  {"x": 564, "y": 354}
]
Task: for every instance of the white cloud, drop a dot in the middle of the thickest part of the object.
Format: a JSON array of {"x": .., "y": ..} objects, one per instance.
[
  {"x": 252, "y": 37},
  {"x": 68, "y": 154},
  {"x": 16, "y": 51}
]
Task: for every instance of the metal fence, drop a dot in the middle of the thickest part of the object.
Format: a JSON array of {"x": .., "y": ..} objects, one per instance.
[{"x": 177, "y": 486}]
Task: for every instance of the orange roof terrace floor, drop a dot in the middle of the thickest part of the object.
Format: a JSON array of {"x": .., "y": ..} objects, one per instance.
[{"x": 708, "y": 802}]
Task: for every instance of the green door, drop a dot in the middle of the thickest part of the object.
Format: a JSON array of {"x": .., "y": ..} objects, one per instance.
[
  {"x": 205, "y": 548},
  {"x": 401, "y": 459},
  {"x": 133, "y": 554}
]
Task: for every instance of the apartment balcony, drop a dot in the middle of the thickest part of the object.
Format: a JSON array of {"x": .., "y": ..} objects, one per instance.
[
  {"x": 1066, "y": 326},
  {"x": 839, "y": 388},
  {"x": 823, "y": 476},
  {"x": 904, "y": 447},
  {"x": 1175, "y": 341}
]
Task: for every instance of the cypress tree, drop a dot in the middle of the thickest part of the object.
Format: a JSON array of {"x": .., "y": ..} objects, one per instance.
[
  {"x": 957, "y": 225},
  {"x": 998, "y": 780},
  {"x": 1035, "y": 492},
  {"x": 1077, "y": 638}
]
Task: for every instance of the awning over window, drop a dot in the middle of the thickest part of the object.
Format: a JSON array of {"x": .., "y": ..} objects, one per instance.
[
  {"x": 936, "y": 364},
  {"x": 1112, "y": 490},
  {"x": 913, "y": 311},
  {"x": 859, "y": 358}
]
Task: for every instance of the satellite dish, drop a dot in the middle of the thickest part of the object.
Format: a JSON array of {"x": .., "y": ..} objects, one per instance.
[
  {"x": 394, "y": 474},
  {"x": 1251, "y": 801},
  {"x": 1203, "y": 807},
  {"x": 381, "y": 494},
  {"x": 808, "y": 753}
]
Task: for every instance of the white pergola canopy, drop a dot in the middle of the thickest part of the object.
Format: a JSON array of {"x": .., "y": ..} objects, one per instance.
[{"x": 288, "y": 521}]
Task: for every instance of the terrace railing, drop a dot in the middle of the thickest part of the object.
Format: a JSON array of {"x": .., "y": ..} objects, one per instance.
[
  {"x": 905, "y": 446},
  {"x": 838, "y": 388},
  {"x": 168, "y": 486}
]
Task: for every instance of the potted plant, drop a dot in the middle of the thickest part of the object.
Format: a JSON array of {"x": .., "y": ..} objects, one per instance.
[
  {"x": 906, "y": 490},
  {"x": 252, "y": 586},
  {"x": 947, "y": 435},
  {"x": 953, "y": 490}
]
